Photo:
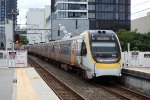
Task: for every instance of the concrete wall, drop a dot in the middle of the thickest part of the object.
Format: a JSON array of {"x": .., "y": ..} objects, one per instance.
[
  {"x": 70, "y": 25},
  {"x": 136, "y": 80},
  {"x": 141, "y": 24}
]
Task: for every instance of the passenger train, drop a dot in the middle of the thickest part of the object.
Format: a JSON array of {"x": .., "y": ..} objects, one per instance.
[{"x": 94, "y": 53}]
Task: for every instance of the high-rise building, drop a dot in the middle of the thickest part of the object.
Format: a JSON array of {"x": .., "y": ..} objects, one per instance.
[
  {"x": 109, "y": 14},
  {"x": 6, "y": 6},
  {"x": 101, "y": 14},
  {"x": 2, "y": 22},
  {"x": 70, "y": 9},
  {"x": 73, "y": 14}
]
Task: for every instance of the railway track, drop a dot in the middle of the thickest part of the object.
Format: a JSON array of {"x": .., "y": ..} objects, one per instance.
[
  {"x": 111, "y": 88},
  {"x": 61, "y": 89},
  {"x": 122, "y": 92}
]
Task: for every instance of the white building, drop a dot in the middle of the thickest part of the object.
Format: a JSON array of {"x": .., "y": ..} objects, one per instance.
[
  {"x": 141, "y": 24},
  {"x": 48, "y": 22},
  {"x": 71, "y": 9},
  {"x": 9, "y": 35},
  {"x": 36, "y": 25}
]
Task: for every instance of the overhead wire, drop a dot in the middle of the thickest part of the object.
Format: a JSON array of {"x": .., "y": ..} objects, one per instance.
[
  {"x": 140, "y": 4},
  {"x": 140, "y": 11}
]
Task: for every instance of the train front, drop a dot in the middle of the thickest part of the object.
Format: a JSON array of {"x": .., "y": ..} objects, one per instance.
[{"x": 104, "y": 53}]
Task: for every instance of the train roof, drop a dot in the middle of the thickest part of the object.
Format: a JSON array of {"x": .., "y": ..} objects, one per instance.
[{"x": 101, "y": 31}]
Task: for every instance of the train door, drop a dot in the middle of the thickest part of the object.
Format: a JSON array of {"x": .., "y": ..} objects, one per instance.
[
  {"x": 73, "y": 54},
  {"x": 78, "y": 50}
]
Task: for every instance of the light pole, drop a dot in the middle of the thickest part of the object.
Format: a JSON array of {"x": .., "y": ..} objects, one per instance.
[{"x": 12, "y": 46}]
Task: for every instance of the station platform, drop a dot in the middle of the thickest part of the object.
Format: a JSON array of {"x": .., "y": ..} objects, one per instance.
[
  {"x": 24, "y": 84},
  {"x": 143, "y": 72}
]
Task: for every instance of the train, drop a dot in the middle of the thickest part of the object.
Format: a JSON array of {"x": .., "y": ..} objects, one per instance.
[{"x": 93, "y": 53}]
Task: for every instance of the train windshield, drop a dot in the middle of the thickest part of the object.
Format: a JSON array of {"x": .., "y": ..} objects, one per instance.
[{"x": 105, "y": 52}]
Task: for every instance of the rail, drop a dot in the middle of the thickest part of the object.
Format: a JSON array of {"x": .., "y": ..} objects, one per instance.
[
  {"x": 123, "y": 92},
  {"x": 63, "y": 91}
]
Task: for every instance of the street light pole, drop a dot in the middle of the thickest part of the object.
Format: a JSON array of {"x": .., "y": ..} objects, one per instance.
[{"x": 12, "y": 46}]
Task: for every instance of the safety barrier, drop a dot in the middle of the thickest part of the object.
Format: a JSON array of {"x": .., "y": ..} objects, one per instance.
[
  {"x": 13, "y": 58},
  {"x": 136, "y": 59}
]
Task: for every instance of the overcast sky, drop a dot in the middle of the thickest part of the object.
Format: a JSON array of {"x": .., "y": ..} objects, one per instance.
[{"x": 23, "y": 6}]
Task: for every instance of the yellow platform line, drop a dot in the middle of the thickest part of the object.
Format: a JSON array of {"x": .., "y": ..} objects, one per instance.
[{"x": 25, "y": 90}]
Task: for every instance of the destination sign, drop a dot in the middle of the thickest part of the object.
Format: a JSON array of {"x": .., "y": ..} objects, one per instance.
[{"x": 101, "y": 38}]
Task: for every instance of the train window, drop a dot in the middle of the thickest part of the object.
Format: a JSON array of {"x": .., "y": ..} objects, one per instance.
[
  {"x": 83, "y": 49},
  {"x": 66, "y": 49}
]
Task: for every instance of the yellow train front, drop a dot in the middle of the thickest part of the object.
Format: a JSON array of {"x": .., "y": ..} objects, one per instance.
[{"x": 101, "y": 53}]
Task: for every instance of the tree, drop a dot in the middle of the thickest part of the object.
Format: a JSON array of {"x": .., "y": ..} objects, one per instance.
[
  {"x": 24, "y": 40},
  {"x": 138, "y": 41},
  {"x": 2, "y": 45}
]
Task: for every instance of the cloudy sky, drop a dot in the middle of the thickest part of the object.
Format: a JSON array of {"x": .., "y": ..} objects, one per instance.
[
  {"x": 24, "y": 6},
  {"x": 136, "y": 6},
  {"x": 141, "y": 6}
]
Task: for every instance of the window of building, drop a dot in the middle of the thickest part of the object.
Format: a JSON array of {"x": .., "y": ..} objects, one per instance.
[
  {"x": 122, "y": 1},
  {"x": 121, "y": 16},
  {"x": 77, "y": 6},
  {"x": 128, "y": 16},
  {"x": 70, "y": 14},
  {"x": 128, "y": 9},
  {"x": 91, "y": 7},
  {"x": 91, "y": 15},
  {"x": 77, "y": 15},
  {"x": 91, "y": 0},
  {"x": 116, "y": 16},
  {"x": 117, "y": 2},
  {"x": 104, "y": 1},
  {"x": 104, "y": 16},
  {"x": 104, "y": 7},
  {"x": 120, "y": 8},
  {"x": 62, "y": 14}
]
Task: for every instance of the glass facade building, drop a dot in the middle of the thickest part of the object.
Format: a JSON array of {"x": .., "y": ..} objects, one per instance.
[
  {"x": 102, "y": 14},
  {"x": 6, "y": 7},
  {"x": 70, "y": 9},
  {"x": 109, "y": 14}
]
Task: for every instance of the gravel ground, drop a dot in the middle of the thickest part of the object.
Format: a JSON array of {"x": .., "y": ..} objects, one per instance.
[{"x": 87, "y": 90}]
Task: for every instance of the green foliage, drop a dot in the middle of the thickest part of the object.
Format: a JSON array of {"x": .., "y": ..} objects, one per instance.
[
  {"x": 24, "y": 40},
  {"x": 2, "y": 45},
  {"x": 138, "y": 41}
]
